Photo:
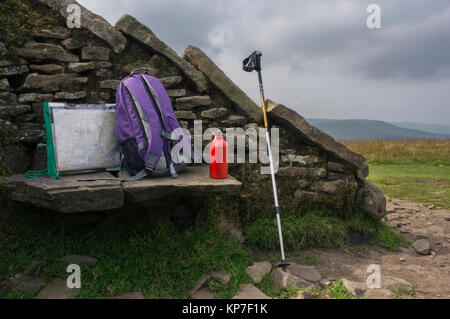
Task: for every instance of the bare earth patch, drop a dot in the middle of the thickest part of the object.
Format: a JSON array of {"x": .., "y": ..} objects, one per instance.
[{"x": 427, "y": 275}]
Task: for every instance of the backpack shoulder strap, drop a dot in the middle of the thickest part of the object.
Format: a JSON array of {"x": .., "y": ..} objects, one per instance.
[{"x": 164, "y": 132}]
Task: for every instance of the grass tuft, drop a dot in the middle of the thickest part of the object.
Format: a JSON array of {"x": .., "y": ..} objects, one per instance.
[
  {"x": 338, "y": 291},
  {"x": 403, "y": 292}
]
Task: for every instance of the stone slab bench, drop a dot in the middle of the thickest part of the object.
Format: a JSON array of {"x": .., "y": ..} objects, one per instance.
[{"x": 68, "y": 195}]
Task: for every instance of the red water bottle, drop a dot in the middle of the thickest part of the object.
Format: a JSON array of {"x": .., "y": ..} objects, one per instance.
[{"x": 218, "y": 156}]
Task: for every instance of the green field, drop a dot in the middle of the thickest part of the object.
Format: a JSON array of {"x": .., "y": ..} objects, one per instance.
[{"x": 418, "y": 170}]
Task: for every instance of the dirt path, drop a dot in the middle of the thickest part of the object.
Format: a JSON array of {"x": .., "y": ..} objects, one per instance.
[{"x": 428, "y": 275}]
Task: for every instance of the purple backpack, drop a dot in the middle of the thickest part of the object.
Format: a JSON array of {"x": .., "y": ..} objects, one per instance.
[{"x": 145, "y": 122}]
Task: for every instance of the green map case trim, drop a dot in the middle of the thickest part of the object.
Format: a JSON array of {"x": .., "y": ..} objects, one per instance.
[{"x": 51, "y": 163}]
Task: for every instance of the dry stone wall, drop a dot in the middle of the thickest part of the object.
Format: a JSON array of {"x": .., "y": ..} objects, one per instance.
[{"x": 55, "y": 63}]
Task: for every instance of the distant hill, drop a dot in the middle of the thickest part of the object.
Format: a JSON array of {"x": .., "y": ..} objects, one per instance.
[
  {"x": 431, "y": 128},
  {"x": 370, "y": 130}
]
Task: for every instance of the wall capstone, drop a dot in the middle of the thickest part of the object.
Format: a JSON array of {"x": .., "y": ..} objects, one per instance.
[
  {"x": 135, "y": 29},
  {"x": 217, "y": 77},
  {"x": 95, "y": 23}
]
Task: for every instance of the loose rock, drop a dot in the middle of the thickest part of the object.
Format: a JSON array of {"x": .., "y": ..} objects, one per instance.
[
  {"x": 80, "y": 67},
  {"x": 215, "y": 113},
  {"x": 258, "y": 270},
  {"x": 221, "y": 276},
  {"x": 191, "y": 102},
  {"x": 282, "y": 279},
  {"x": 422, "y": 246},
  {"x": 248, "y": 291},
  {"x": 57, "y": 289},
  {"x": 306, "y": 272},
  {"x": 185, "y": 115},
  {"x": 56, "y": 32},
  {"x": 355, "y": 288}
]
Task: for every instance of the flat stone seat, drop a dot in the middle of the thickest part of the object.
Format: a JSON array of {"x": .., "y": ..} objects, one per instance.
[{"x": 68, "y": 195}]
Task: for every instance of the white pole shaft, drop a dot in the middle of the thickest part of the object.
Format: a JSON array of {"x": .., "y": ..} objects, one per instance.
[{"x": 275, "y": 195}]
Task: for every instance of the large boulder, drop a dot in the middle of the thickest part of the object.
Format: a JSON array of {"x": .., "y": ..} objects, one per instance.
[
  {"x": 94, "y": 23},
  {"x": 217, "y": 77},
  {"x": 371, "y": 200},
  {"x": 135, "y": 29}
]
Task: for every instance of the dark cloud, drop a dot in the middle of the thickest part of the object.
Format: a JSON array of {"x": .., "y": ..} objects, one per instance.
[{"x": 319, "y": 54}]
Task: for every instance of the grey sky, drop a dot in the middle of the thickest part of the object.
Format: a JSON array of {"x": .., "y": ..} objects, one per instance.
[{"x": 318, "y": 56}]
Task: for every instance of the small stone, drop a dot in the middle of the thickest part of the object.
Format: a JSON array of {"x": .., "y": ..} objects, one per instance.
[
  {"x": 431, "y": 206},
  {"x": 336, "y": 167},
  {"x": 185, "y": 115},
  {"x": 326, "y": 282},
  {"x": 71, "y": 44},
  {"x": 104, "y": 73},
  {"x": 80, "y": 67},
  {"x": 332, "y": 176},
  {"x": 13, "y": 70},
  {"x": 70, "y": 95},
  {"x": 57, "y": 289},
  {"x": 292, "y": 172},
  {"x": 355, "y": 288},
  {"x": 103, "y": 65},
  {"x": 171, "y": 81},
  {"x": 422, "y": 246},
  {"x": 402, "y": 259},
  {"x": 110, "y": 84},
  {"x": 28, "y": 283},
  {"x": 258, "y": 270},
  {"x": 302, "y": 295},
  {"x": 221, "y": 276},
  {"x": 249, "y": 291},
  {"x": 80, "y": 260},
  {"x": 95, "y": 53},
  {"x": 235, "y": 121},
  {"x": 283, "y": 279},
  {"x": 215, "y": 113},
  {"x": 305, "y": 272},
  {"x": 192, "y": 102},
  {"x": 176, "y": 93},
  {"x": 203, "y": 293},
  {"x": 46, "y": 68},
  {"x": 56, "y": 32},
  {"x": 198, "y": 284},
  {"x": 378, "y": 293}
]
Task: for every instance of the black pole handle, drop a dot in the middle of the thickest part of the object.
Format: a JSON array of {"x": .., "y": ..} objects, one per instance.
[{"x": 252, "y": 62}]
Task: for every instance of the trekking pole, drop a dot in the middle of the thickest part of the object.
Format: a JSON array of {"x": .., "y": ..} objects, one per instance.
[{"x": 253, "y": 62}]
